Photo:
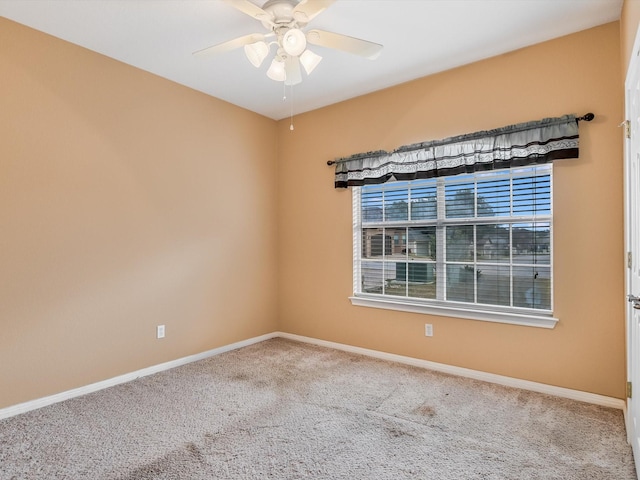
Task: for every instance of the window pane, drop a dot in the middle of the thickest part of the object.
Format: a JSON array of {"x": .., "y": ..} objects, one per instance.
[
  {"x": 461, "y": 283},
  {"x": 532, "y": 287},
  {"x": 423, "y": 203},
  {"x": 532, "y": 195},
  {"x": 374, "y": 243},
  {"x": 460, "y": 200},
  {"x": 371, "y": 205},
  {"x": 396, "y": 279},
  {"x": 397, "y": 242},
  {"x": 422, "y": 243},
  {"x": 494, "y": 284},
  {"x": 493, "y": 243},
  {"x": 422, "y": 280},
  {"x": 396, "y": 205},
  {"x": 494, "y": 198},
  {"x": 460, "y": 243},
  {"x": 372, "y": 279},
  {"x": 532, "y": 243}
]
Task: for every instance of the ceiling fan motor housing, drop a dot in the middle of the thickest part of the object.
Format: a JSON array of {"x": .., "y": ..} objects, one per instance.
[{"x": 281, "y": 12}]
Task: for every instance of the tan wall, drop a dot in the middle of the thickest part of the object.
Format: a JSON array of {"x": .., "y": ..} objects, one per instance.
[
  {"x": 629, "y": 21},
  {"x": 574, "y": 74},
  {"x": 121, "y": 209}
]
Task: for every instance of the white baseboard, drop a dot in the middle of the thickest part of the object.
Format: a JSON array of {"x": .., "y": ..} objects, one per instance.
[
  {"x": 592, "y": 398},
  {"x": 440, "y": 367},
  {"x": 94, "y": 387}
]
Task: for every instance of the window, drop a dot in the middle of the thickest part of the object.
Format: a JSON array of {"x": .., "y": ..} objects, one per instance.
[{"x": 472, "y": 246}]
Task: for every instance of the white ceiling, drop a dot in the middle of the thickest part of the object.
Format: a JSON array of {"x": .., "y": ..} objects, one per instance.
[{"x": 420, "y": 37}]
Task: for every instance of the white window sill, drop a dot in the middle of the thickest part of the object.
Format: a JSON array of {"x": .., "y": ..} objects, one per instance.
[{"x": 514, "y": 318}]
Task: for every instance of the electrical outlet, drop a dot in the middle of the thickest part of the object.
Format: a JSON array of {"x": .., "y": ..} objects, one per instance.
[
  {"x": 160, "y": 331},
  {"x": 428, "y": 330}
]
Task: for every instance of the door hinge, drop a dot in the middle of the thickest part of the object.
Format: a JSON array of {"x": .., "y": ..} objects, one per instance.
[
  {"x": 629, "y": 259},
  {"x": 627, "y": 128},
  {"x": 629, "y": 390}
]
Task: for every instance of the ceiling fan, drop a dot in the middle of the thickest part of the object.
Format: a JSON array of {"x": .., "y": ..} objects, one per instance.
[{"x": 285, "y": 21}]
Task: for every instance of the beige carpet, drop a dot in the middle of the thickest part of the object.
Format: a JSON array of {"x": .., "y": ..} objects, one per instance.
[{"x": 281, "y": 409}]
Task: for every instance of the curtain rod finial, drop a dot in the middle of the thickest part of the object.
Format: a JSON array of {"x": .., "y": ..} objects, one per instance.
[
  {"x": 587, "y": 117},
  {"x": 330, "y": 162}
]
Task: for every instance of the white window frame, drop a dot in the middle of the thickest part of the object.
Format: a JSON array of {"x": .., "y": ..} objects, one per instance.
[{"x": 490, "y": 313}]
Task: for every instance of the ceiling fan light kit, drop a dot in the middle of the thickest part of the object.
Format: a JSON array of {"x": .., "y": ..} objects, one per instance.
[
  {"x": 256, "y": 53},
  {"x": 285, "y": 20},
  {"x": 277, "y": 71},
  {"x": 294, "y": 42},
  {"x": 309, "y": 61}
]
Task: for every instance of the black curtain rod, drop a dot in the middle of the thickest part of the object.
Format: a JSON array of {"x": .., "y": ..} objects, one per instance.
[{"x": 587, "y": 117}]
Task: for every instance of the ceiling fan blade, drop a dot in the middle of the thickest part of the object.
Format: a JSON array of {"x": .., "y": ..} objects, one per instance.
[
  {"x": 231, "y": 44},
  {"x": 345, "y": 43},
  {"x": 307, "y": 10},
  {"x": 251, "y": 9},
  {"x": 292, "y": 71}
]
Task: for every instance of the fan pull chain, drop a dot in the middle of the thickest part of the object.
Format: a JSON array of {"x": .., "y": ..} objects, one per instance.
[
  {"x": 291, "y": 93},
  {"x": 284, "y": 99}
]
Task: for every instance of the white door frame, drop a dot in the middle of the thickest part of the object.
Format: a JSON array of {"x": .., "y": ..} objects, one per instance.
[{"x": 631, "y": 234}]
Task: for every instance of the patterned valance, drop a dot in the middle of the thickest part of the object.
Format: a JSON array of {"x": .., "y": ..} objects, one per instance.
[{"x": 514, "y": 146}]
